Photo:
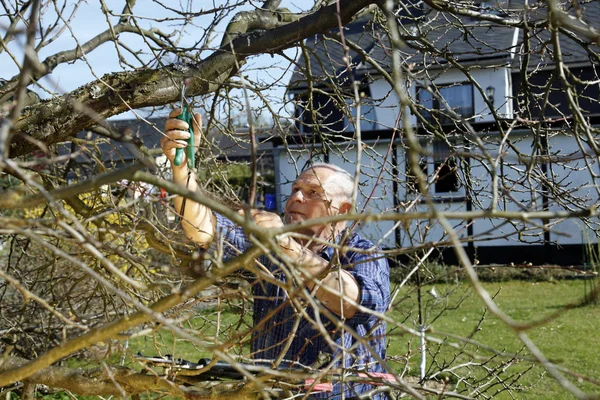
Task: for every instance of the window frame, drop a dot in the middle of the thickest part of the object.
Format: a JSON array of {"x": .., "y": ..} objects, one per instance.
[{"x": 435, "y": 114}]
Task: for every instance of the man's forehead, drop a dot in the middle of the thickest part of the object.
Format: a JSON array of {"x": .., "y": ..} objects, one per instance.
[
  {"x": 313, "y": 177},
  {"x": 317, "y": 173}
]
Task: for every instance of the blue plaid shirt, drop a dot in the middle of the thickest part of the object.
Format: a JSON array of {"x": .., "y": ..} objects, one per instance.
[{"x": 278, "y": 326}]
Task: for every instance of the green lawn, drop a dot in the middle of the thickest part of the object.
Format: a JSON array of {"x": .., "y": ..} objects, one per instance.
[
  {"x": 203, "y": 327},
  {"x": 572, "y": 339}
]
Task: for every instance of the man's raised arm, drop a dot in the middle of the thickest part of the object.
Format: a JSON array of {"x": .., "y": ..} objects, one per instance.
[{"x": 197, "y": 220}]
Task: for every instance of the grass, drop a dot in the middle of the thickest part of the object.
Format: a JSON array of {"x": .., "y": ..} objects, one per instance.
[
  {"x": 202, "y": 327},
  {"x": 570, "y": 339}
]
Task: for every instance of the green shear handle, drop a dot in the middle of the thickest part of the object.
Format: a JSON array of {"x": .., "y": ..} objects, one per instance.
[{"x": 187, "y": 116}]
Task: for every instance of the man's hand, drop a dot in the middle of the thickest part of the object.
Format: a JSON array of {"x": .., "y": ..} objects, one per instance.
[
  {"x": 197, "y": 221},
  {"x": 312, "y": 267},
  {"x": 266, "y": 219},
  {"x": 177, "y": 134}
]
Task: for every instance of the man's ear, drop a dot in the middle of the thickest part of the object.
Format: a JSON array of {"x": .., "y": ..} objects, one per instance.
[{"x": 345, "y": 207}]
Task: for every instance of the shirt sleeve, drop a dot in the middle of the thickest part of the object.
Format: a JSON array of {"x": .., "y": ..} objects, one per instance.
[
  {"x": 372, "y": 273},
  {"x": 230, "y": 240}
]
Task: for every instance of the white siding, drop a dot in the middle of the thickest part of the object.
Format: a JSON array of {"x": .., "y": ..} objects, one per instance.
[
  {"x": 573, "y": 179},
  {"x": 388, "y": 108},
  {"x": 515, "y": 193},
  {"x": 570, "y": 175},
  {"x": 492, "y": 77},
  {"x": 375, "y": 191}
]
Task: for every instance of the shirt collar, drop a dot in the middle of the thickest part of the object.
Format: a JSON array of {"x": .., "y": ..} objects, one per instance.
[{"x": 327, "y": 252}]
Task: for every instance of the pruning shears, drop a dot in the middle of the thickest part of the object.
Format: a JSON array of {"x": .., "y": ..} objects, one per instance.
[{"x": 186, "y": 115}]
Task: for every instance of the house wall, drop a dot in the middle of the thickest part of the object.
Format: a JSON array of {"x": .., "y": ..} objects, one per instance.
[
  {"x": 568, "y": 186},
  {"x": 515, "y": 193},
  {"x": 388, "y": 109},
  {"x": 577, "y": 189},
  {"x": 376, "y": 187},
  {"x": 380, "y": 160},
  {"x": 562, "y": 178}
]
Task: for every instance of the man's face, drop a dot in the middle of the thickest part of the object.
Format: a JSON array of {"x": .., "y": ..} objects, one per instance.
[{"x": 310, "y": 198}]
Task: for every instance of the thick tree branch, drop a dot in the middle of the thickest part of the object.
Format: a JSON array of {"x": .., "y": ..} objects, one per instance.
[
  {"x": 93, "y": 382},
  {"x": 60, "y": 119}
]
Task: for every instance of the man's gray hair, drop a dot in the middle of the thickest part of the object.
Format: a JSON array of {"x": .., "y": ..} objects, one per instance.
[{"x": 342, "y": 179}]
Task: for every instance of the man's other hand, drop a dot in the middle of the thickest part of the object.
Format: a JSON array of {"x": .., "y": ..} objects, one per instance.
[
  {"x": 177, "y": 134},
  {"x": 266, "y": 219}
]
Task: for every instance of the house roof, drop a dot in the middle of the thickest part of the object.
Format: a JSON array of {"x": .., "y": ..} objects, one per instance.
[
  {"x": 573, "y": 47},
  {"x": 148, "y": 132},
  {"x": 429, "y": 36},
  {"x": 120, "y": 145},
  {"x": 326, "y": 55},
  {"x": 237, "y": 144}
]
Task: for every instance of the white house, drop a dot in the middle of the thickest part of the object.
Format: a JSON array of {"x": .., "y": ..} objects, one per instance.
[{"x": 514, "y": 143}]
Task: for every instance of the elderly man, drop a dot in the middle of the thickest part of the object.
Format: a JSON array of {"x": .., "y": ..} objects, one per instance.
[{"x": 343, "y": 327}]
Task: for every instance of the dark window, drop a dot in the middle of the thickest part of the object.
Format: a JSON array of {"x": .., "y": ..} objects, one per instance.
[
  {"x": 327, "y": 112},
  {"x": 458, "y": 98},
  {"x": 441, "y": 169},
  {"x": 445, "y": 169},
  {"x": 324, "y": 115}
]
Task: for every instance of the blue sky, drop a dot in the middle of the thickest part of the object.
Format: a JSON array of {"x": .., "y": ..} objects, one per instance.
[{"x": 89, "y": 21}]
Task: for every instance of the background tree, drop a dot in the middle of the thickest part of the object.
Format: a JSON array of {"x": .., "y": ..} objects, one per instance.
[{"x": 93, "y": 264}]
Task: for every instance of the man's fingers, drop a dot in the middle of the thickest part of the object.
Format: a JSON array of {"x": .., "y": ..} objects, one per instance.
[
  {"x": 175, "y": 134},
  {"x": 175, "y": 113},
  {"x": 253, "y": 212},
  {"x": 179, "y": 129},
  {"x": 169, "y": 144},
  {"x": 258, "y": 215},
  {"x": 197, "y": 122},
  {"x": 267, "y": 219},
  {"x": 176, "y": 124}
]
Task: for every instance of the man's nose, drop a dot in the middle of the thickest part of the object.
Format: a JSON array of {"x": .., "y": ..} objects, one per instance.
[{"x": 297, "y": 196}]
